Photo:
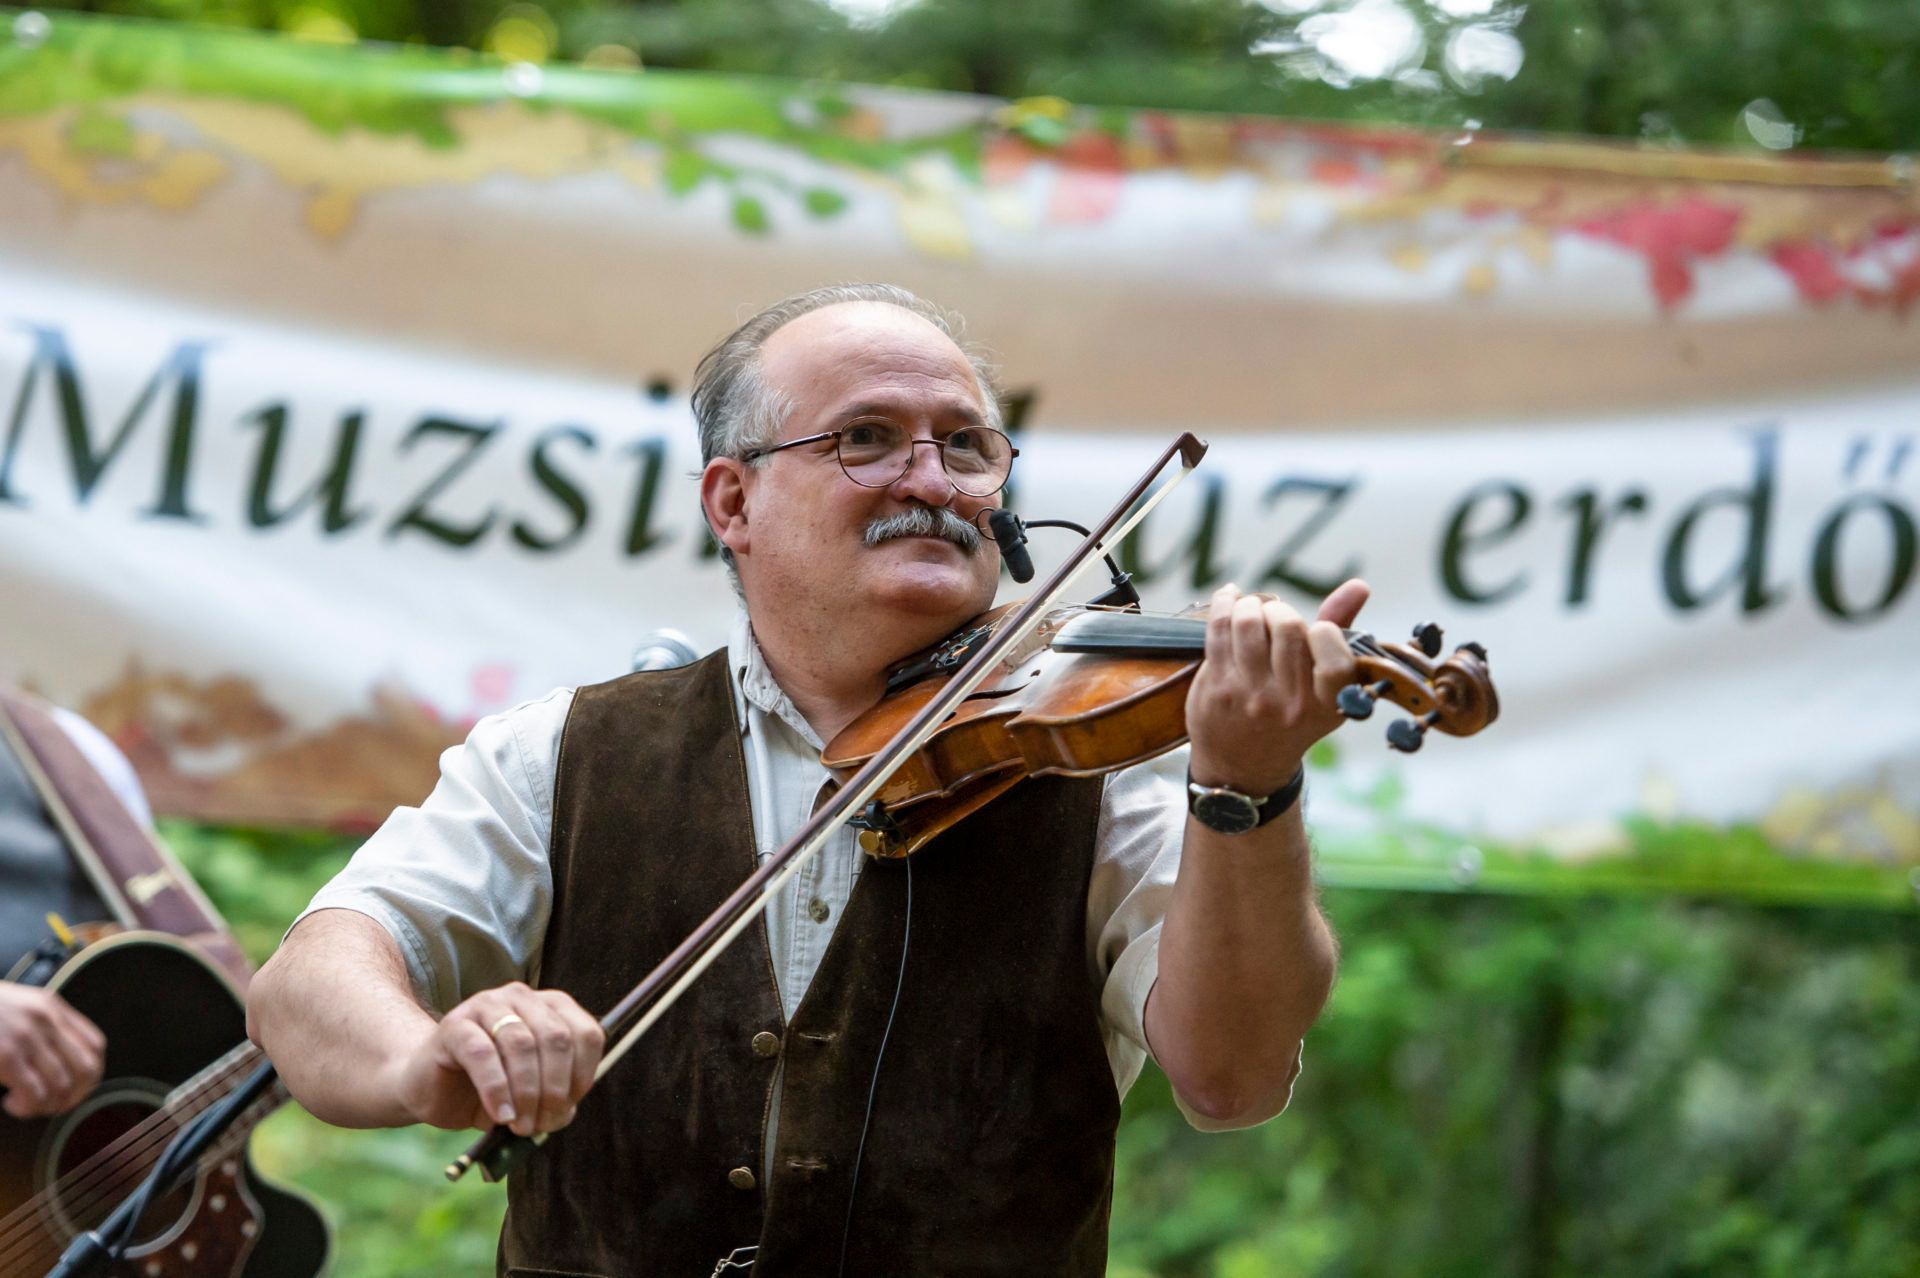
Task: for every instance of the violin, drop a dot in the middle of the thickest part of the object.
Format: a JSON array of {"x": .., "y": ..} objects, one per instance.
[
  {"x": 1095, "y": 690},
  {"x": 1140, "y": 661}
]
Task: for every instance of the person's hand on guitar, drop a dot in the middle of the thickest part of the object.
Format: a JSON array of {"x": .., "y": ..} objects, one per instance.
[
  {"x": 50, "y": 1055},
  {"x": 512, "y": 1055}
]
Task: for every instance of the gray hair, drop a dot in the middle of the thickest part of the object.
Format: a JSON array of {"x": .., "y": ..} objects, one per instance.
[{"x": 737, "y": 411}]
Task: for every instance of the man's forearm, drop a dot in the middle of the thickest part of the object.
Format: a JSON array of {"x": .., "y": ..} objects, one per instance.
[
  {"x": 1246, "y": 961},
  {"x": 334, "y": 1010}
]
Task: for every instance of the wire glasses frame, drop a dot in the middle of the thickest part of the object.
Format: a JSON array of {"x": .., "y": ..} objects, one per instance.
[{"x": 977, "y": 459}]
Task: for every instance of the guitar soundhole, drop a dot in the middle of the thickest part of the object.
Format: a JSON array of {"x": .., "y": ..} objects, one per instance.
[{"x": 102, "y": 1152}]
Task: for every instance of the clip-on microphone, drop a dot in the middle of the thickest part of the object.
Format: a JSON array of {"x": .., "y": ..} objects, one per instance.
[{"x": 1010, "y": 532}]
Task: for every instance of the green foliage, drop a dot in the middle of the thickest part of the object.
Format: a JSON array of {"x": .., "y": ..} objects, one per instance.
[
  {"x": 1502, "y": 1087},
  {"x": 1665, "y": 71},
  {"x": 1566, "y": 1087}
]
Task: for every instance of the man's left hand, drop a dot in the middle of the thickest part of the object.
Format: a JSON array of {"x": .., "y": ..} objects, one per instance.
[{"x": 1267, "y": 687}]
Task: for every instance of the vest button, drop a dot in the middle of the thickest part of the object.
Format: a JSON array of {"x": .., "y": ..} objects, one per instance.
[
  {"x": 741, "y": 1178},
  {"x": 765, "y": 1045}
]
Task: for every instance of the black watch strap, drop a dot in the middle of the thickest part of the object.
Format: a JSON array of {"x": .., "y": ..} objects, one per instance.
[{"x": 1226, "y": 810}]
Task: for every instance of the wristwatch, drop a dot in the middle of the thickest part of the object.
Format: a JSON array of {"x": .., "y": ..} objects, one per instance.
[{"x": 1231, "y": 812}]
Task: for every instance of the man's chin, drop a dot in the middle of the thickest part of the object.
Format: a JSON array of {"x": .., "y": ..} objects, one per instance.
[{"x": 945, "y": 582}]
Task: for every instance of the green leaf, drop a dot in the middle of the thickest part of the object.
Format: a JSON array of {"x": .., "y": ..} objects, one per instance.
[
  {"x": 96, "y": 132},
  {"x": 750, "y": 215},
  {"x": 683, "y": 170},
  {"x": 1044, "y": 131},
  {"x": 823, "y": 202}
]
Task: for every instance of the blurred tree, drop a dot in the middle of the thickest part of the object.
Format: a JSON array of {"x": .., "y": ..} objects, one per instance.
[{"x": 1768, "y": 73}]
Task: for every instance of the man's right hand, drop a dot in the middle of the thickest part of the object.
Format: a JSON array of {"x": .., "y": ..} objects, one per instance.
[
  {"x": 50, "y": 1055},
  {"x": 512, "y": 1055}
]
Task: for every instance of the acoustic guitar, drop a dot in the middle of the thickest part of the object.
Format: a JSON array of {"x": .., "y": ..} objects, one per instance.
[{"x": 176, "y": 1043}]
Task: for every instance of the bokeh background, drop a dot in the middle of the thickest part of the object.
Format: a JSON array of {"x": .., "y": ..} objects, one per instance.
[{"x": 1569, "y": 1077}]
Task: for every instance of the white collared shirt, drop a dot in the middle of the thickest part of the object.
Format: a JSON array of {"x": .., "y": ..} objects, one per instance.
[{"x": 463, "y": 883}]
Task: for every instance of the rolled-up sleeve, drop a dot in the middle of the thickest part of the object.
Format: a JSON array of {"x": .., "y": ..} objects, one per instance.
[
  {"x": 1143, "y": 823},
  {"x": 462, "y": 882}
]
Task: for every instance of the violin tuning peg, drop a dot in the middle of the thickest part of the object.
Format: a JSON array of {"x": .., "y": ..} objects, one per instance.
[
  {"x": 1428, "y": 636},
  {"x": 1356, "y": 699},
  {"x": 1405, "y": 735},
  {"x": 1476, "y": 649}
]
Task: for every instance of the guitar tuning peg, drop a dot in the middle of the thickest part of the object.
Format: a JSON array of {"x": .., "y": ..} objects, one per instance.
[
  {"x": 1427, "y": 635},
  {"x": 1356, "y": 699}
]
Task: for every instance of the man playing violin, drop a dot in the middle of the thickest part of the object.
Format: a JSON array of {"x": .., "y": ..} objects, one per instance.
[{"x": 914, "y": 1066}]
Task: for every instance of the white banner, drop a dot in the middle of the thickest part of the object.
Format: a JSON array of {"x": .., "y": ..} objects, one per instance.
[{"x": 312, "y": 454}]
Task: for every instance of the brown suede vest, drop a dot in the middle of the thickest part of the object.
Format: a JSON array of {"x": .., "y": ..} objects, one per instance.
[{"x": 990, "y": 1149}]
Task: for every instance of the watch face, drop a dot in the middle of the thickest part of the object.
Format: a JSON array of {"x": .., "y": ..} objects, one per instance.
[{"x": 1225, "y": 811}]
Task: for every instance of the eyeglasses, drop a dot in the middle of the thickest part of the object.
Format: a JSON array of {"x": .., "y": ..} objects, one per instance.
[{"x": 874, "y": 454}]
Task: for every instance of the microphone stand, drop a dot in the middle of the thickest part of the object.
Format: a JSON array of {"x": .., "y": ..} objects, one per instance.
[{"x": 94, "y": 1250}]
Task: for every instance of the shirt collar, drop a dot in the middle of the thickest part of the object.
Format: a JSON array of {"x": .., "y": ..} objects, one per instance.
[{"x": 756, "y": 683}]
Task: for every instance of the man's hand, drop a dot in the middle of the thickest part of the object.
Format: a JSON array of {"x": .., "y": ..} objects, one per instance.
[
  {"x": 50, "y": 1055},
  {"x": 512, "y": 1055},
  {"x": 1266, "y": 690}
]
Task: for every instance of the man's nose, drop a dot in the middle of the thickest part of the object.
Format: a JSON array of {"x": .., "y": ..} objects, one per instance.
[{"x": 926, "y": 476}]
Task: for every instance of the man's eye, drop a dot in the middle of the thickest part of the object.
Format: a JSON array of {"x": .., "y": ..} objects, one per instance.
[
  {"x": 864, "y": 434},
  {"x": 965, "y": 441}
]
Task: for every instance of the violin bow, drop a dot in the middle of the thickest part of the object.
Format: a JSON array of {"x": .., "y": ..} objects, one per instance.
[{"x": 499, "y": 1149}]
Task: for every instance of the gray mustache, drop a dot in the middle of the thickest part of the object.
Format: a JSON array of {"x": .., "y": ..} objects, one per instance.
[{"x": 924, "y": 521}]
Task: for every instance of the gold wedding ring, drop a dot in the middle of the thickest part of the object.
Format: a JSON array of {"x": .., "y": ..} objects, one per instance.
[{"x": 511, "y": 1018}]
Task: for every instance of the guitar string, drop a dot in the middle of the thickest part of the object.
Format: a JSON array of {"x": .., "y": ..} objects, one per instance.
[
  {"x": 145, "y": 1141},
  {"x": 80, "y": 1184},
  {"x": 44, "y": 1243},
  {"x": 177, "y": 1103},
  {"x": 48, "y": 1246},
  {"x": 81, "y": 1188}
]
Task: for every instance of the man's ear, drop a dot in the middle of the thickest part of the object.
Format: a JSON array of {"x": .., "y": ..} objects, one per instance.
[{"x": 723, "y": 499}]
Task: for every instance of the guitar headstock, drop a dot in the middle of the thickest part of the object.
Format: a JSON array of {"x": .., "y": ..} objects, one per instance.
[{"x": 1453, "y": 695}]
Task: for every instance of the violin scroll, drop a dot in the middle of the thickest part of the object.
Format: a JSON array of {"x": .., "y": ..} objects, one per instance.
[{"x": 1455, "y": 696}]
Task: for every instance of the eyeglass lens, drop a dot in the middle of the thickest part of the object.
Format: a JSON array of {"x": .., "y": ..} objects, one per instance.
[{"x": 978, "y": 458}]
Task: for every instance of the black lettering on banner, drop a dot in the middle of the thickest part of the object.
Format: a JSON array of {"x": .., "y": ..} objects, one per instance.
[
  {"x": 1198, "y": 546},
  {"x": 1754, "y": 500},
  {"x": 1590, "y": 521},
  {"x": 415, "y": 515},
  {"x": 1333, "y": 494},
  {"x": 1460, "y": 539},
  {"x": 641, "y": 534},
  {"x": 332, "y": 485},
  {"x": 1827, "y": 548},
  {"x": 182, "y": 369},
  {"x": 564, "y": 490}
]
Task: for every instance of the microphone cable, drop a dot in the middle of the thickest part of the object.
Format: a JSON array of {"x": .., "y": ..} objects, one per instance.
[{"x": 906, "y": 938}]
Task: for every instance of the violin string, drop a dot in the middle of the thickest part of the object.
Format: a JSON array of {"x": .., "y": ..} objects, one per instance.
[
  {"x": 44, "y": 1242},
  {"x": 81, "y": 1189}
]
